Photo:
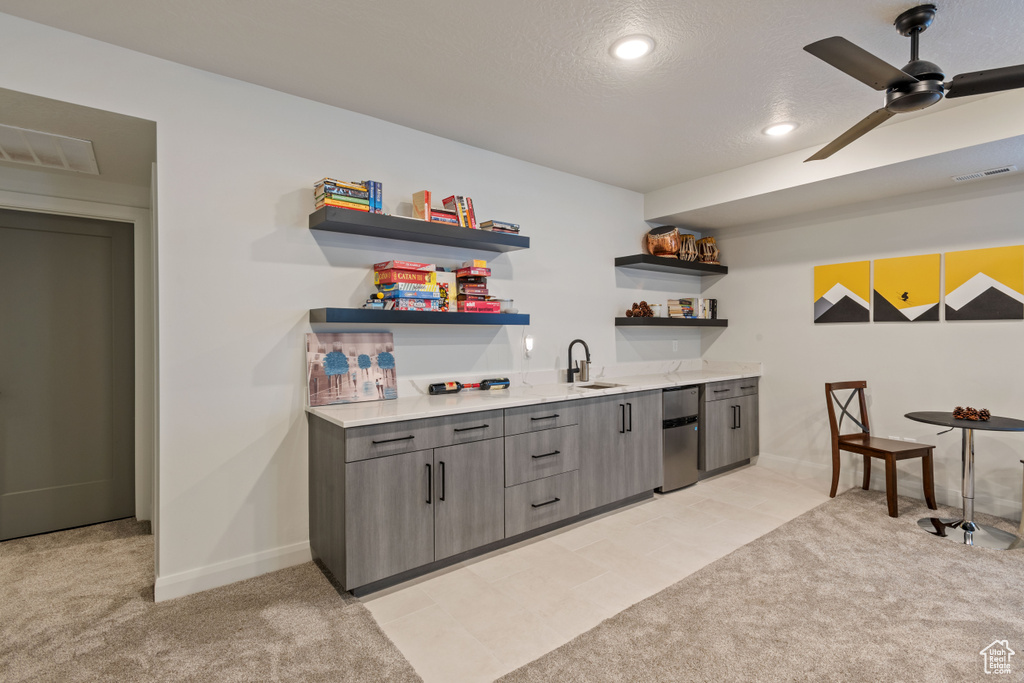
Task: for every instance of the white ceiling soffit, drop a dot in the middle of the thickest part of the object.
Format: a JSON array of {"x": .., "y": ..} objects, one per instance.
[
  {"x": 909, "y": 155},
  {"x": 533, "y": 79},
  {"x": 36, "y": 148}
]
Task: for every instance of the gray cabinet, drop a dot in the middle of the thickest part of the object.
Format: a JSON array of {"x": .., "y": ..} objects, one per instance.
[
  {"x": 389, "y": 521},
  {"x": 620, "y": 447},
  {"x": 375, "y": 516},
  {"x": 729, "y": 423},
  {"x": 469, "y": 508}
]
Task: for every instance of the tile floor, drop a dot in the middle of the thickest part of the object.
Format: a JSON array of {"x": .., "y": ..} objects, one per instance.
[{"x": 481, "y": 619}]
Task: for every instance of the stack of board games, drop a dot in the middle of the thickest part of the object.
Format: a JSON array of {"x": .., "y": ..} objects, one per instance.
[
  {"x": 473, "y": 295},
  {"x": 500, "y": 226},
  {"x": 406, "y": 286},
  {"x": 364, "y": 195}
]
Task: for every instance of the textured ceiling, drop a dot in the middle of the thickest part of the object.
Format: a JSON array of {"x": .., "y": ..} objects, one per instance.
[{"x": 533, "y": 79}]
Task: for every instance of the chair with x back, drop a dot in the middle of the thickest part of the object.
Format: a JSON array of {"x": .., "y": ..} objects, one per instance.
[{"x": 889, "y": 450}]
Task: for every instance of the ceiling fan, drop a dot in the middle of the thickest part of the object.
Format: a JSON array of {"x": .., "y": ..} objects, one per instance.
[{"x": 917, "y": 85}]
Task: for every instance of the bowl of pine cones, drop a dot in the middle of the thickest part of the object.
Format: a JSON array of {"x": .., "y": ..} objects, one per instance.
[
  {"x": 640, "y": 310},
  {"x": 970, "y": 413}
]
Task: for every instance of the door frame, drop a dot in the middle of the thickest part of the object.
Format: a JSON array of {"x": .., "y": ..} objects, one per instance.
[{"x": 147, "y": 451}]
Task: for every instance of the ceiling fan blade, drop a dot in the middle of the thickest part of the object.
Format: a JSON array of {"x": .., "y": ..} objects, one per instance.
[
  {"x": 875, "y": 118},
  {"x": 983, "y": 82},
  {"x": 859, "y": 63}
]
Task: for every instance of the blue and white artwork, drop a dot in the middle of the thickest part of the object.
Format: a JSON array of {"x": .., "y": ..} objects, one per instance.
[{"x": 346, "y": 367}]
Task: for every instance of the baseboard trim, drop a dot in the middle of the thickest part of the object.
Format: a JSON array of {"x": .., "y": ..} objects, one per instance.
[
  {"x": 230, "y": 571},
  {"x": 909, "y": 482}
]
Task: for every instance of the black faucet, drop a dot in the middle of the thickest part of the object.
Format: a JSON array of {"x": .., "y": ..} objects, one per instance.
[{"x": 572, "y": 371}]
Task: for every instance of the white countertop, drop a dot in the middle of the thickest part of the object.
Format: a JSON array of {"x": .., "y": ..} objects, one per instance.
[{"x": 471, "y": 400}]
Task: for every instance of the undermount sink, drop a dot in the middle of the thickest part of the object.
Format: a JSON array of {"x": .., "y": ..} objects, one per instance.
[{"x": 599, "y": 385}]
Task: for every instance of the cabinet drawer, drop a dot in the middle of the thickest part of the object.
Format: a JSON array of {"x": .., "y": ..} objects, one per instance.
[
  {"x": 544, "y": 416},
  {"x": 536, "y": 455},
  {"x": 541, "y": 502},
  {"x": 717, "y": 391},
  {"x": 391, "y": 438}
]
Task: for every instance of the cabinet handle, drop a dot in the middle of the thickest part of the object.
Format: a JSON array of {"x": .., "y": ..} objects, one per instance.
[
  {"x": 469, "y": 429},
  {"x": 430, "y": 485},
  {"x": 733, "y": 417},
  {"x": 752, "y": 386},
  {"x": 630, "y": 428},
  {"x": 546, "y": 417},
  {"x": 718, "y": 391},
  {"x": 739, "y": 417},
  {"x": 401, "y": 438},
  {"x": 622, "y": 429},
  {"x": 443, "y": 478},
  {"x": 545, "y": 455},
  {"x": 546, "y": 502}
]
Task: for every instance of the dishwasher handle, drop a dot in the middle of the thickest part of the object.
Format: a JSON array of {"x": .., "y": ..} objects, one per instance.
[{"x": 679, "y": 422}]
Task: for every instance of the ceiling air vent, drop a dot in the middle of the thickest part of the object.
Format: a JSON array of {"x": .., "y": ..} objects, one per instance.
[
  {"x": 1002, "y": 170},
  {"x": 24, "y": 146}
]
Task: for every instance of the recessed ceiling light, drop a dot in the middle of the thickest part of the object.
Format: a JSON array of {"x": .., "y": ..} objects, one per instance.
[
  {"x": 632, "y": 47},
  {"x": 777, "y": 129}
]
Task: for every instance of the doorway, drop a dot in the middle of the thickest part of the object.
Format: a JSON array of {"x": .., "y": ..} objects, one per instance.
[{"x": 67, "y": 375}]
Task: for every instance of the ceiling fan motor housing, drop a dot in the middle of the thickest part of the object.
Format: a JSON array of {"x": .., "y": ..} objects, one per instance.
[{"x": 913, "y": 96}]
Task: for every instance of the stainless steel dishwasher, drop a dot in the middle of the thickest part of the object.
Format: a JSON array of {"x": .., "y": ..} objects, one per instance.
[{"x": 680, "y": 406}]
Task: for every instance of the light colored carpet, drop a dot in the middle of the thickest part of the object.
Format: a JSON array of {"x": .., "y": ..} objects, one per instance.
[
  {"x": 77, "y": 605},
  {"x": 841, "y": 593}
]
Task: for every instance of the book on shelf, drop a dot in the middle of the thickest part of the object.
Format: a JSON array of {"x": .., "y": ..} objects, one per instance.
[
  {"x": 446, "y": 285},
  {"x": 412, "y": 305},
  {"x": 421, "y": 205},
  {"x": 342, "y": 193},
  {"x": 471, "y": 214},
  {"x": 445, "y": 217},
  {"x": 374, "y": 188},
  {"x": 474, "y": 290},
  {"x": 410, "y": 287},
  {"x": 404, "y": 265},
  {"x": 342, "y": 205},
  {"x": 499, "y": 225},
  {"x": 472, "y": 272},
  {"x": 386, "y": 277},
  {"x": 399, "y": 294},
  {"x": 458, "y": 204},
  {"x": 479, "y": 306},
  {"x": 331, "y": 182}
]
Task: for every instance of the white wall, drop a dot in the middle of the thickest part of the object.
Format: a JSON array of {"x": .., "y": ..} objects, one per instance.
[
  {"x": 768, "y": 298},
  {"x": 238, "y": 271}
]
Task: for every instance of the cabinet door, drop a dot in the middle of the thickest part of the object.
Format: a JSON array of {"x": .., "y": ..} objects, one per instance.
[
  {"x": 745, "y": 437},
  {"x": 469, "y": 490},
  {"x": 389, "y": 523},
  {"x": 643, "y": 444},
  {"x": 717, "y": 434},
  {"x": 602, "y": 434}
]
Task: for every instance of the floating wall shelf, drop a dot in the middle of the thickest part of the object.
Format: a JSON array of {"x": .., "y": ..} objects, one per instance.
[
  {"x": 671, "y": 322},
  {"x": 378, "y": 317},
  {"x": 668, "y": 265},
  {"x": 334, "y": 219}
]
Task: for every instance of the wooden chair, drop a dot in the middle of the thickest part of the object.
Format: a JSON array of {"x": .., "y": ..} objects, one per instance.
[{"x": 869, "y": 446}]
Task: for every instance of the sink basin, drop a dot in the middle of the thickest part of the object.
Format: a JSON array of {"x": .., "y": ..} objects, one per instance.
[{"x": 599, "y": 385}]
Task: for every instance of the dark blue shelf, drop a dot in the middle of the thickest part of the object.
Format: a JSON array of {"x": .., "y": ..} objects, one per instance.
[
  {"x": 378, "y": 317},
  {"x": 671, "y": 322},
  {"x": 334, "y": 219}
]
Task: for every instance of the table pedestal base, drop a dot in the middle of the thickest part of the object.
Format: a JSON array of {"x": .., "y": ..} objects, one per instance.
[{"x": 970, "y": 533}]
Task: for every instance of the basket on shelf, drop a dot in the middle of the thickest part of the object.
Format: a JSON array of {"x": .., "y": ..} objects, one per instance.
[
  {"x": 707, "y": 250},
  {"x": 687, "y": 248},
  {"x": 663, "y": 241}
]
